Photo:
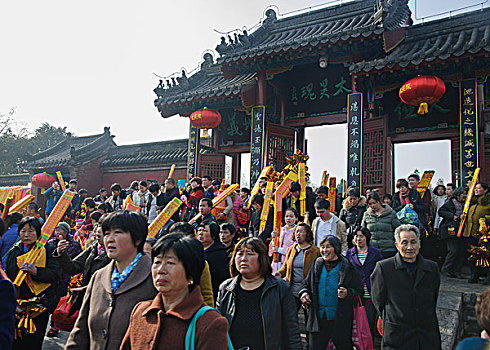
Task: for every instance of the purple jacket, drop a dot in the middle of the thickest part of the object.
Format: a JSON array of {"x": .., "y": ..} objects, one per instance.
[{"x": 373, "y": 256}]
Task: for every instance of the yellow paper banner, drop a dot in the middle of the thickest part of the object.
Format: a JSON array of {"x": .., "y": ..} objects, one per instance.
[{"x": 163, "y": 217}]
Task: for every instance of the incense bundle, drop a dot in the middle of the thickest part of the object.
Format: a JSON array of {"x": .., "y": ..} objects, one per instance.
[{"x": 21, "y": 204}]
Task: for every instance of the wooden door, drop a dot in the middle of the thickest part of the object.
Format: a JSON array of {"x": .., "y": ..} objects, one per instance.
[
  {"x": 279, "y": 145},
  {"x": 212, "y": 165},
  {"x": 374, "y": 144}
]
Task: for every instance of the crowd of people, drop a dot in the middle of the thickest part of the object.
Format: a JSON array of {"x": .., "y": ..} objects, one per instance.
[{"x": 227, "y": 279}]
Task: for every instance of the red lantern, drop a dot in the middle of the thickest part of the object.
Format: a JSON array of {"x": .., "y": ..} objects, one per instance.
[
  {"x": 421, "y": 91},
  {"x": 205, "y": 119},
  {"x": 43, "y": 180}
]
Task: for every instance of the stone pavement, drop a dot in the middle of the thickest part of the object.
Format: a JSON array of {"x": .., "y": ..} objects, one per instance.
[
  {"x": 455, "y": 310},
  {"x": 56, "y": 343}
]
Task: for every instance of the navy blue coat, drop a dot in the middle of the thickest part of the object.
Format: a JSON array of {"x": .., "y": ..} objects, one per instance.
[
  {"x": 7, "y": 313},
  {"x": 365, "y": 271}
]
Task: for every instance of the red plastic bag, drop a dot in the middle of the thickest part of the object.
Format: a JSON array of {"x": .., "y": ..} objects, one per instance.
[
  {"x": 60, "y": 316},
  {"x": 361, "y": 335}
]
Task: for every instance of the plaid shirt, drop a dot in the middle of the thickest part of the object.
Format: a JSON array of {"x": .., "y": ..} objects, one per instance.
[{"x": 117, "y": 279}]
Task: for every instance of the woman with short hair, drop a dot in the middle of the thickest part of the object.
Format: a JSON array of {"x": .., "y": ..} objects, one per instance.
[
  {"x": 177, "y": 264},
  {"x": 381, "y": 221},
  {"x": 298, "y": 260},
  {"x": 259, "y": 307},
  {"x": 363, "y": 256},
  {"x": 331, "y": 290},
  {"x": 41, "y": 279},
  {"x": 115, "y": 289},
  {"x": 214, "y": 253}
]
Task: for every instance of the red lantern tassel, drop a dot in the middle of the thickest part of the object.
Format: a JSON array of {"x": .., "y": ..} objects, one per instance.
[{"x": 423, "y": 108}]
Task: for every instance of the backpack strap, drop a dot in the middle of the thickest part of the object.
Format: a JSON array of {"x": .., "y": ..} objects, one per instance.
[{"x": 190, "y": 337}]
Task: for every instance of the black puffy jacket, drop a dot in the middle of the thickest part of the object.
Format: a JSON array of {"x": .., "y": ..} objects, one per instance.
[
  {"x": 447, "y": 212},
  {"x": 353, "y": 215},
  {"x": 218, "y": 260},
  {"x": 278, "y": 311}
]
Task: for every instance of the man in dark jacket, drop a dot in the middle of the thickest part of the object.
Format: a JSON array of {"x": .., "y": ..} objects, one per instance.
[
  {"x": 171, "y": 192},
  {"x": 75, "y": 202},
  {"x": 155, "y": 200},
  {"x": 117, "y": 198},
  {"x": 404, "y": 290},
  {"x": 292, "y": 201},
  {"x": 254, "y": 226},
  {"x": 205, "y": 206},
  {"x": 207, "y": 184},
  {"x": 451, "y": 213},
  {"x": 352, "y": 211},
  {"x": 214, "y": 253},
  {"x": 413, "y": 181}
]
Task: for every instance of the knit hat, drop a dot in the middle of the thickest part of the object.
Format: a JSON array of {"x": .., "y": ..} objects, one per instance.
[{"x": 64, "y": 226}]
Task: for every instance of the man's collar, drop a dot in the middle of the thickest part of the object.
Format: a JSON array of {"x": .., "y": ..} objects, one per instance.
[{"x": 329, "y": 219}]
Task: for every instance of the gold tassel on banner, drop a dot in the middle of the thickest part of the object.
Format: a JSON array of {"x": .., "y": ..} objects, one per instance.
[{"x": 26, "y": 311}]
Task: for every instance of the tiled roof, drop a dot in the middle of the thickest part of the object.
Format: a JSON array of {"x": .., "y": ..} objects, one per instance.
[
  {"x": 442, "y": 39},
  {"x": 359, "y": 18},
  {"x": 172, "y": 151},
  {"x": 72, "y": 151},
  {"x": 208, "y": 83},
  {"x": 354, "y": 19},
  {"x": 14, "y": 179}
]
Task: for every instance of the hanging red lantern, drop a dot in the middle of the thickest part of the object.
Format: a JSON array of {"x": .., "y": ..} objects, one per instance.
[
  {"x": 43, "y": 180},
  {"x": 421, "y": 91},
  {"x": 205, "y": 119}
]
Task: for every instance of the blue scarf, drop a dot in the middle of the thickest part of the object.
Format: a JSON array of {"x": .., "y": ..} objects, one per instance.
[{"x": 117, "y": 279}]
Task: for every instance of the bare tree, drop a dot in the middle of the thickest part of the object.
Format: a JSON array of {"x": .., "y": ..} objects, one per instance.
[{"x": 7, "y": 121}]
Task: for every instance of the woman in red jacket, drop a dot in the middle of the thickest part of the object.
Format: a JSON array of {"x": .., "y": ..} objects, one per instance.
[{"x": 178, "y": 261}]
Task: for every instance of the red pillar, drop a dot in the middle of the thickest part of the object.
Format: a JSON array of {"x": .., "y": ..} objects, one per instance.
[{"x": 261, "y": 88}]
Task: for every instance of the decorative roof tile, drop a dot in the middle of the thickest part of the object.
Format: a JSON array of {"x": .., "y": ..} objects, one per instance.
[
  {"x": 164, "y": 152},
  {"x": 72, "y": 151},
  {"x": 208, "y": 83},
  {"x": 442, "y": 39},
  {"x": 273, "y": 36},
  {"x": 326, "y": 25}
]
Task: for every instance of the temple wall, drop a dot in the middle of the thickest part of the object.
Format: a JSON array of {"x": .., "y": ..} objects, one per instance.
[
  {"x": 125, "y": 178},
  {"x": 89, "y": 176}
]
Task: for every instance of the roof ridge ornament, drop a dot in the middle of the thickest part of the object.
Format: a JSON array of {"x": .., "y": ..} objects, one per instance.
[
  {"x": 393, "y": 14},
  {"x": 270, "y": 16}
]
